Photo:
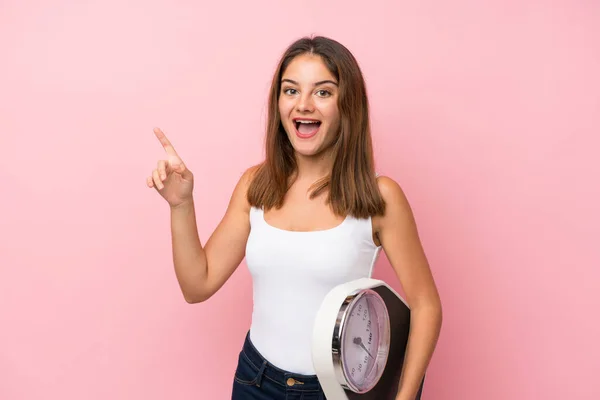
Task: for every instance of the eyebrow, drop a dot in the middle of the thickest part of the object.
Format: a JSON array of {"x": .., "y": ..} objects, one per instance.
[{"x": 316, "y": 83}]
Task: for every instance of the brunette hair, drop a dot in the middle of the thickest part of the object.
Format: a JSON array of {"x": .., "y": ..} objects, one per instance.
[{"x": 352, "y": 185}]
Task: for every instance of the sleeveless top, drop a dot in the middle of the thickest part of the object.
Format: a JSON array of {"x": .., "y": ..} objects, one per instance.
[{"x": 292, "y": 272}]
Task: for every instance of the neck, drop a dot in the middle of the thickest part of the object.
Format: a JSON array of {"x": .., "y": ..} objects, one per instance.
[{"x": 313, "y": 168}]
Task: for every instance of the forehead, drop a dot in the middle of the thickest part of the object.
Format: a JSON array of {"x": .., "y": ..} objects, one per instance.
[{"x": 307, "y": 68}]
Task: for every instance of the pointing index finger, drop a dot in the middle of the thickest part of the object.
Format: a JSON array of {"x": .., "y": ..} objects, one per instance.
[{"x": 165, "y": 142}]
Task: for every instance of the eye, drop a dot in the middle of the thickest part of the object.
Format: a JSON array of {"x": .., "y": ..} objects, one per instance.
[
  {"x": 289, "y": 91},
  {"x": 323, "y": 93}
]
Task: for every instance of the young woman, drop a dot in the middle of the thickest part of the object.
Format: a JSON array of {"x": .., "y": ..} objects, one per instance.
[{"x": 313, "y": 215}]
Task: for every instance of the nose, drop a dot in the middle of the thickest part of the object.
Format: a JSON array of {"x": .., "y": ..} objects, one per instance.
[{"x": 305, "y": 103}]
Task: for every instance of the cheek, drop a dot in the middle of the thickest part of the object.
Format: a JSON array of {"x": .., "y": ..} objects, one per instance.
[
  {"x": 332, "y": 114},
  {"x": 284, "y": 108},
  {"x": 329, "y": 109},
  {"x": 284, "y": 113}
]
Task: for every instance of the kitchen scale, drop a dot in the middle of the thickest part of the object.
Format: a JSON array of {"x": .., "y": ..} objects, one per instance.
[{"x": 359, "y": 341}]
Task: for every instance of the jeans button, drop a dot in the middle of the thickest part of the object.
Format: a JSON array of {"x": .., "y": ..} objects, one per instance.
[{"x": 291, "y": 381}]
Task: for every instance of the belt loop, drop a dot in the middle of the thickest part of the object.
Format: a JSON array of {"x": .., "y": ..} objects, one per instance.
[{"x": 260, "y": 373}]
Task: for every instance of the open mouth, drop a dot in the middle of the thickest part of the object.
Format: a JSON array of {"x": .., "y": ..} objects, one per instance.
[{"x": 307, "y": 127}]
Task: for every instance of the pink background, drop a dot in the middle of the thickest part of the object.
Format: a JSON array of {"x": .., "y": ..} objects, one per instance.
[{"x": 487, "y": 115}]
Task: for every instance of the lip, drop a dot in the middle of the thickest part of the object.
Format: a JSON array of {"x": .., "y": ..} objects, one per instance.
[
  {"x": 305, "y": 119},
  {"x": 301, "y": 135}
]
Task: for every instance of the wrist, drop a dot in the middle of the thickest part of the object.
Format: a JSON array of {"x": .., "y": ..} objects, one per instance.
[{"x": 184, "y": 205}]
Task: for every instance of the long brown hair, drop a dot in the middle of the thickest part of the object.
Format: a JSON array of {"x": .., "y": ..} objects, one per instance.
[{"x": 352, "y": 186}]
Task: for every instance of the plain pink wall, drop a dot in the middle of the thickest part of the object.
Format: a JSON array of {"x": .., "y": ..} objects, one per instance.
[{"x": 487, "y": 113}]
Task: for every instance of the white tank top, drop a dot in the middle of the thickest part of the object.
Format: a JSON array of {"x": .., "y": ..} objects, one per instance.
[{"x": 291, "y": 273}]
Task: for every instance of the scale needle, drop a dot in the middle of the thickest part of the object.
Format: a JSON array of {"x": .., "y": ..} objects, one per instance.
[{"x": 358, "y": 341}]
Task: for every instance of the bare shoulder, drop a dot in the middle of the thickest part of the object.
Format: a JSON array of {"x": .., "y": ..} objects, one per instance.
[
  {"x": 240, "y": 194},
  {"x": 248, "y": 175},
  {"x": 397, "y": 207},
  {"x": 391, "y": 190}
]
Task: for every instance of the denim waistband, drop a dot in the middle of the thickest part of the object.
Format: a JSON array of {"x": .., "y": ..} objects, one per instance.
[{"x": 290, "y": 380}]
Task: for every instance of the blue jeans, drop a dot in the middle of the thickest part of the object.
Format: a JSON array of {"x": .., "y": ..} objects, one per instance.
[{"x": 257, "y": 379}]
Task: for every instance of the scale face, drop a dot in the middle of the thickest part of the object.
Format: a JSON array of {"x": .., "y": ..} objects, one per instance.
[{"x": 359, "y": 341}]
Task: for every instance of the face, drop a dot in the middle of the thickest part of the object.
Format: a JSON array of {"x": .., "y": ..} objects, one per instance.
[{"x": 308, "y": 105}]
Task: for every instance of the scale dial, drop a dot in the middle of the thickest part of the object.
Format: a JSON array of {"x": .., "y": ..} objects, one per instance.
[{"x": 364, "y": 341}]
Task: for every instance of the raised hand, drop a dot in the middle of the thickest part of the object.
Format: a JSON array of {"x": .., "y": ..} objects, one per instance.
[{"x": 171, "y": 178}]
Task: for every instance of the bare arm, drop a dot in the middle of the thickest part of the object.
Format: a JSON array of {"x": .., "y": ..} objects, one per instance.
[
  {"x": 202, "y": 271},
  {"x": 398, "y": 233}
]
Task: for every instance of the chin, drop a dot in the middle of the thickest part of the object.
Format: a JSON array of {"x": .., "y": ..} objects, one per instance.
[{"x": 306, "y": 151}]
